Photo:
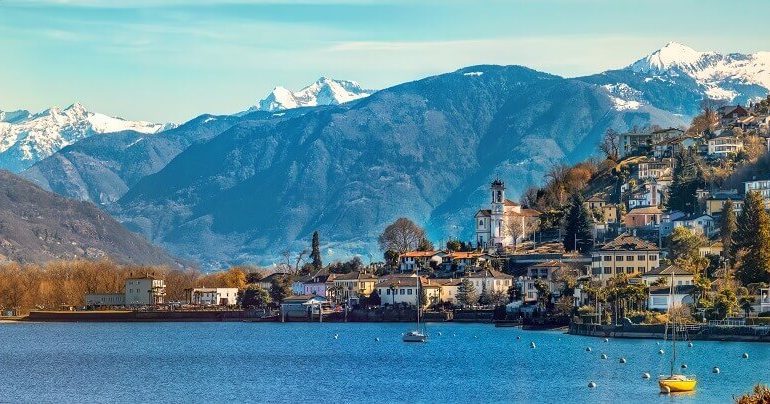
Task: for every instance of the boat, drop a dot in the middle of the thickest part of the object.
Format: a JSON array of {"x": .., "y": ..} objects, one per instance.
[
  {"x": 674, "y": 383},
  {"x": 416, "y": 335}
]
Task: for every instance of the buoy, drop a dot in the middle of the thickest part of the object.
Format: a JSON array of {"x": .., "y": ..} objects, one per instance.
[
  {"x": 684, "y": 366},
  {"x": 336, "y": 336},
  {"x": 657, "y": 343},
  {"x": 645, "y": 375},
  {"x": 518, "y": 337},
  {"x": 376, "y": 339},
  {"x": 591, "y": 385},
  {"x": 660, "y": 352},
  {"x": 475, "y": 336},
  {"x": 532, "y": 345},
  {"x": 606, "y": 340},
  {"x": 665, "y": 390},
  {"x": 588, "y": 349},
  {"x": 604, "y": 356},
  {"x": 715, "y": 370},
  {"x": 622, "y": 360},
  {"x": 454, "y": 335},
  {"x": 439, "y": 334},
  {"x": 689, "y": 345},
  {"x": 745, "y": 355}
]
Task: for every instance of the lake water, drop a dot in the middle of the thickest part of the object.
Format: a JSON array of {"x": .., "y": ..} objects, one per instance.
[{"x": 302, "y": 362}]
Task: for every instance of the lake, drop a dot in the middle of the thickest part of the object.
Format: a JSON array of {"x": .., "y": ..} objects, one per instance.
[{"x": 303, "y": 362}]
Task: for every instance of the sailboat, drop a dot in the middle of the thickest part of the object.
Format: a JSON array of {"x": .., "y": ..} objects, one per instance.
[
  {"x": 674, "y": 383},
  {"x": 416, "y": 335}
]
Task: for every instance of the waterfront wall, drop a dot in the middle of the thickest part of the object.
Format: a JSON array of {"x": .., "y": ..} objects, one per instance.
[{"x": 657, "y": 331}]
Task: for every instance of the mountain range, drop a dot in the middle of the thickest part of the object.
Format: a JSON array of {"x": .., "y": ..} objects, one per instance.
[
  {"x": 38, "y": 226},
  {"x": 324, "y": 91},
  {"x": 27, "y": 138},
  {"x": 246, "y": 187}
]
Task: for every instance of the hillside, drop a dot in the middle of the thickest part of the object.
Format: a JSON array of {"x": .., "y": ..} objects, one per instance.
[
  {"x": 425, "y": 150},
  {"x": 38, "y": 226}
]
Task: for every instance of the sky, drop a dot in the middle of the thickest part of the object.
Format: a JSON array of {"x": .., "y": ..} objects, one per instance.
[{"x": 171, "y": 60}]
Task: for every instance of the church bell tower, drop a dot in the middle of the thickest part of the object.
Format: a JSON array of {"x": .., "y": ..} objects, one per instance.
[{"x": 498, "y": 213}]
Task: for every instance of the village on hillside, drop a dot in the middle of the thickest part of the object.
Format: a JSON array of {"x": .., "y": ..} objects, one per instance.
[{"x": 667, "y": 216}]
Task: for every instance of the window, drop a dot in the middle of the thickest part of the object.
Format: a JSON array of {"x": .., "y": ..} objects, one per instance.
[
  {"x": 596, "y": 258},
  {"x": 409, "y": 291},
  {"x": 387, "y": 291},
  {"x": 629, "y": 270},
  {"x": 401, "y": 292},
  {"x": 641, "y": 269},
  {"x": 596, "y": 271},
  {"x": 653, "y": 257},
  {"x": 608, "y": 258},
  {"x": 629, "y": 257},
  {"x": 640, "y": 257},
  {"x": 608, "y": 270},
  {"x": 619, "y": 258}
]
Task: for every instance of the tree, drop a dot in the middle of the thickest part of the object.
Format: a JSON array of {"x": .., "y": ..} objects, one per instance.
[
  {"x": 315, "y": 252},
  {"x": 513, "y": 293},
  {"x": 518, "y": 226},
  {"x": 253, "y": 297},
  {"x": 752, "y": 240},
  {"x": 577, "y": 226},
  {"x": 466, "y": 293},
  {"x": 684, "y": 244},
  {"x": 422, "y": 296},
  {"x": 425, "y": 245},
  {"x": 485, "y": 298},
  {"x": 610, "y": 144},
  {"x": 453, "y": 245},
  {"x": 543, "y": 293},
  {"x": 401, "y": 236},
  {"x": 728, "y": 224},
  {"x": 686, "y": 180},
  {"x": 280, "y": 288},
  {"x": 391, "y": 258},
  {"x": 498, "y": 298}
]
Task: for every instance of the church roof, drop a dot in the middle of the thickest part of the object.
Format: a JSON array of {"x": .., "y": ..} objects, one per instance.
[
  {"x": 509, "y": 202},
  {"x": 484, "y": 212}
]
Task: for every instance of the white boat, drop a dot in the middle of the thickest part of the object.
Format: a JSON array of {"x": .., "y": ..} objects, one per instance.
[{"x": 416, "y": 335}]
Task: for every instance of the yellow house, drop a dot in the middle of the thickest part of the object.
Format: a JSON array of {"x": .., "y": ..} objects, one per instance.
[{"x": 355, "y": 284}]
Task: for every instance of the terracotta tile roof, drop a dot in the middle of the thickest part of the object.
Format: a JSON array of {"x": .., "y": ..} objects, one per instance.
[
  {"x": 647, "y": 210},
  {"x": 509, "y": 202},
  {"x": 676, "y": 270},
  {"x": 489, "y": 273},
  {"x": 419, "y": 254}
]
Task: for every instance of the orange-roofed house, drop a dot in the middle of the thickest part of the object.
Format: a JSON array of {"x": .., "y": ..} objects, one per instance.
[{"x": 409, "y": 261}]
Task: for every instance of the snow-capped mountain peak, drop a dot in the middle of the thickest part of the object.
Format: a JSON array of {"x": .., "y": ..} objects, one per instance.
[
  {"x": 324, "y": 91},
  {"x": 26, "y": 139},
  {"x": 673, "y": 55}
]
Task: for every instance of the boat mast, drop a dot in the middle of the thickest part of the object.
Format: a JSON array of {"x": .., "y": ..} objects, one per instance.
[
  {"x": 418, "y": 298},
  {"x": 673, "y": 323}
]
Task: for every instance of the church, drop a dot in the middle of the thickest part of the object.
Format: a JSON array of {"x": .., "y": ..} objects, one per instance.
[{"x": 505, "y": 223}]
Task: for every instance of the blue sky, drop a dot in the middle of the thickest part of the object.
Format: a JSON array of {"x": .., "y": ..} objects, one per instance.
[{"x": 170, "y": 60}]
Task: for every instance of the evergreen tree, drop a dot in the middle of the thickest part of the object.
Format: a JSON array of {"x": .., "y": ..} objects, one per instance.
[
  {"x": 727, "y": 227},
  {"x": 577, "y": 226},
  {"x": 374, "y": 299},
  {"x": 752, "y": 240},
  {"x": 253, "y": 296},
  {"x": 315, "y": 254},
  {"x": 466, "y": 293},
  {"x": 280, "y": 288},
  {"x": 686, "y": 180}
]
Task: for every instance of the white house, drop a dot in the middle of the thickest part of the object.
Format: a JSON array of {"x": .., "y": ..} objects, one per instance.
[
  {"x": 403, "y": 289},
  {"x": 723, "y": 145},
  {"x": 144, "y": 291},
  {"x": 409, "y": 261},
  {"x": 212, "y": 296},
  {"x": 491, "y": 281},
  {"x": 106, "y": 299},
  {"x": 680, "y": 276},
  {"x": 761, "y": 186},
  {"x": 660, "y": 297},
  {"x": 700, "y": 224}
]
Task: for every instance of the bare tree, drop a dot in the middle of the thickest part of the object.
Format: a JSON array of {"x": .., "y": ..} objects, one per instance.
[
  {"x": 610, "y": 144},
  {"x": 401, "y": 236},
  {"x": 518, "y": 226}
]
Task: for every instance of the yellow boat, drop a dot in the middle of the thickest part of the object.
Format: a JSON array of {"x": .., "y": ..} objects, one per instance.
[{"x": 677, "y": 383}]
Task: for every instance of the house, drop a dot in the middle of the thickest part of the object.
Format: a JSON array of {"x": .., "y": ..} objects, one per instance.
[
  {"x": 354, "y": 285},
  {"x": 641, "y": 142},
  {"x": 267, "y": 282},
  {"x": 505, "y": 223},
  {"x": 716, "y": 202},
  {"x": 319, "y": 284},
  {"x": 411, "y": 260},
  {"x": 460, "y": 261},
  {"x": 490, "y": 280},
  {"x": 671, "y": 147},
  {"x": 449, "y": 289},
  {"x": 625, "y": 254},
  {"x": 212, "y": 296},
  {"x": 700, "y": 224},
  {"x": 660, "y": 297},
  {"x": 403, "y": 289},
  {"x": 715, "y": 248},
  {"x": 729, "y": 114},
  {"x": 141, "y": 291},
  {"x": 105, "y": 299},
  {"x": 303, "y": 307},
  {"x": 548, "y": 272},
  {"x": 679, "y": 275},
  {"x": 654, "y": 169},
  {"x": 643, "y": 217},
  {"x": 144, "y": 291},
  {"x": 761, "y": 186},
  {"x": 595, "y": 202},
  {"x": 723, "y": 145}
]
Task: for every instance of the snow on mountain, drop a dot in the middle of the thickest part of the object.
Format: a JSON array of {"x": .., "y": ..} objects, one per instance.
[
  {"x": 624, "y": 97},
  {"x": 26, "y": 139},
  {"x": 721, "y": 76},
  {"x": 324, "y": 91}
]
